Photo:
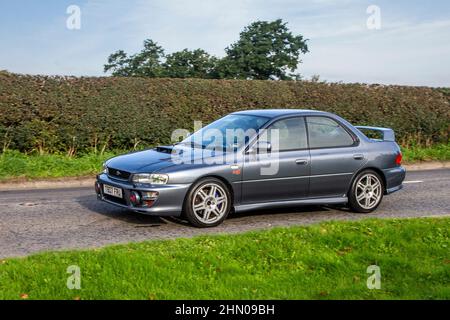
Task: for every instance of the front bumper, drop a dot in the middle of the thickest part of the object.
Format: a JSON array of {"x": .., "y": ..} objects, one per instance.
[{"x": 168, "y": 203}]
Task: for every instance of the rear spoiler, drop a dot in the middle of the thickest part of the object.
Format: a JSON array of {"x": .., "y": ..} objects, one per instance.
[{"x": 388, "y": 134}]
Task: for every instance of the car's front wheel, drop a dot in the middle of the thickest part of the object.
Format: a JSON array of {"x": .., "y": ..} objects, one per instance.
[
  {"x": 207, "y": 203},
  {"x": 366, "y": 192}
]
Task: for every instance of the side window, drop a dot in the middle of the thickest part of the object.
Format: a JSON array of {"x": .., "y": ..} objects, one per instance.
[
  {"x": 288, "y": 134},
  {"x": 326, "y": 133}
]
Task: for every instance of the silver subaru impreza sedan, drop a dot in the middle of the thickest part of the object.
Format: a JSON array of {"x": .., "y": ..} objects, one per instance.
[{"x": 257, "y": 159}]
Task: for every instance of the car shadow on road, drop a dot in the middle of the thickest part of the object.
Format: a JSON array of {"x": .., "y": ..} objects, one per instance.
[
  {"x": 287, "y": 210},
  {"x": 307, "y": 211},
  {"x": 141, "y": 220},
  {"x": 91, "y": 203}
]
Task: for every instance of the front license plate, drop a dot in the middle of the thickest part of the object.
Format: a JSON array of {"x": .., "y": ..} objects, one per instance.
[{"x": 112, "y": 191}]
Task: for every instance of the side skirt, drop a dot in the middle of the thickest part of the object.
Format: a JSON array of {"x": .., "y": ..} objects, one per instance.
[{"x": 290, "y": 203}]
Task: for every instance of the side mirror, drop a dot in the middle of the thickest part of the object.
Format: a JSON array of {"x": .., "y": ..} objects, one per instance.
[{"x": 260, "y": 147}]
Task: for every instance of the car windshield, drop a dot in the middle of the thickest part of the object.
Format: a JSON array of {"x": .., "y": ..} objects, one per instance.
[{"x": 228, "y": 133}]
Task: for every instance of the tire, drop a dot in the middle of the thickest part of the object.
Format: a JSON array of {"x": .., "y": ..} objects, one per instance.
[
  {"x": 366, "y": 192},
  {"x": 207, "y": 203}
]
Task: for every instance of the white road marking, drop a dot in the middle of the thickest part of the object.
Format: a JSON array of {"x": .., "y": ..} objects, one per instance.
[{"x": 412, "y": 182}]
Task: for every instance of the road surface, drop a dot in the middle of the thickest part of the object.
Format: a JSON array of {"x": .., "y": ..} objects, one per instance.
[{"x": 41, "y": 220}]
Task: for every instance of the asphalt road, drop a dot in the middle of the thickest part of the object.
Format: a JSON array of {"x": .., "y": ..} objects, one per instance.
[{"x": 41, "y": 220}]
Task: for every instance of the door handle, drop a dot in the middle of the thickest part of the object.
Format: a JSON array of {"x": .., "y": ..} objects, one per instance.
[
  {"x": 358, "y": 156},
  {"x": 301, "y": 162}
]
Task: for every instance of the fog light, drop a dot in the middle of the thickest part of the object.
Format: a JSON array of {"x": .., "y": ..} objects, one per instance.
[
  {"x": 150, "y": 195},
  {"x": 148, "y": 203},
  {"x": 135, "y": 198},
  {"x": 97, "y": 188}
]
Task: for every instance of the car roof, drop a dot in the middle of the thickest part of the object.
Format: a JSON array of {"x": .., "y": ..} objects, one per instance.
[{"x": 275, "y": 113}]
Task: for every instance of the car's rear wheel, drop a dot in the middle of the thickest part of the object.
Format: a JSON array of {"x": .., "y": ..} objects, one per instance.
[
  {"x": 208, "y": 203},
  {"x": 366, "y": 192}
]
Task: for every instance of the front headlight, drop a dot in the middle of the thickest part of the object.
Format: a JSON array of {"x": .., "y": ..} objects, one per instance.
[
  {"x": 150, "y": 178},
  {"x": 105, "y": 168}
]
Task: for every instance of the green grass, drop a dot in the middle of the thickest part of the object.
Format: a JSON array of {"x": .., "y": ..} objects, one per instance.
[
  {"x": 325, "y": 261},
  {"x": 440, "y": 152},
  {"x": 15, "y": 165}
]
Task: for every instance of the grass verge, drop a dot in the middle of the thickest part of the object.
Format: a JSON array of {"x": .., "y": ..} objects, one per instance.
[
  {"x": 16, "y": 165},
  {"x": 440, "y": 152},
  {"x": 325, "y": 261}
]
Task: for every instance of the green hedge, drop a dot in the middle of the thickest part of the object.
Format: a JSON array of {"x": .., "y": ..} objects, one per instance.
[{"x": 76, "y": 115}]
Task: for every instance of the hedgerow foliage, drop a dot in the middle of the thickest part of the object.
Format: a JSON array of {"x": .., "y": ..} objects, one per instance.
[{"x": 77, "y": 115}]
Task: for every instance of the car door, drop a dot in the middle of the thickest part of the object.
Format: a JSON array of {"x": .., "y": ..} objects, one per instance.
[
  {"x": 283, "y": 173},
  {"x": 334, "y": 157}
]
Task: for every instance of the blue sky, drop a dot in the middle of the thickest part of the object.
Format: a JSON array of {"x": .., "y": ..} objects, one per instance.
[{"x": 412, "y": 47}]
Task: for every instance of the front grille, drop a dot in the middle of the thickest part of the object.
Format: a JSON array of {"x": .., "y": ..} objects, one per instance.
[{"x": 118, "y": 174}]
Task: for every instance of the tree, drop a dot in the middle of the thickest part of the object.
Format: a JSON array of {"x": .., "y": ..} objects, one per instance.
[
  {"x": 147, "y": 63},
  {"x": 189, "y": 64},
  {"x": 118, "y": 64},
  {"x": 265, "y": 50}
]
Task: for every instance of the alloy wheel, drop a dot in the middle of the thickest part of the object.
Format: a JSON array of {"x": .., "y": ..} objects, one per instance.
[
  {"x": 368, "y": 191},
  {"x": 209, "y": 203}
]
